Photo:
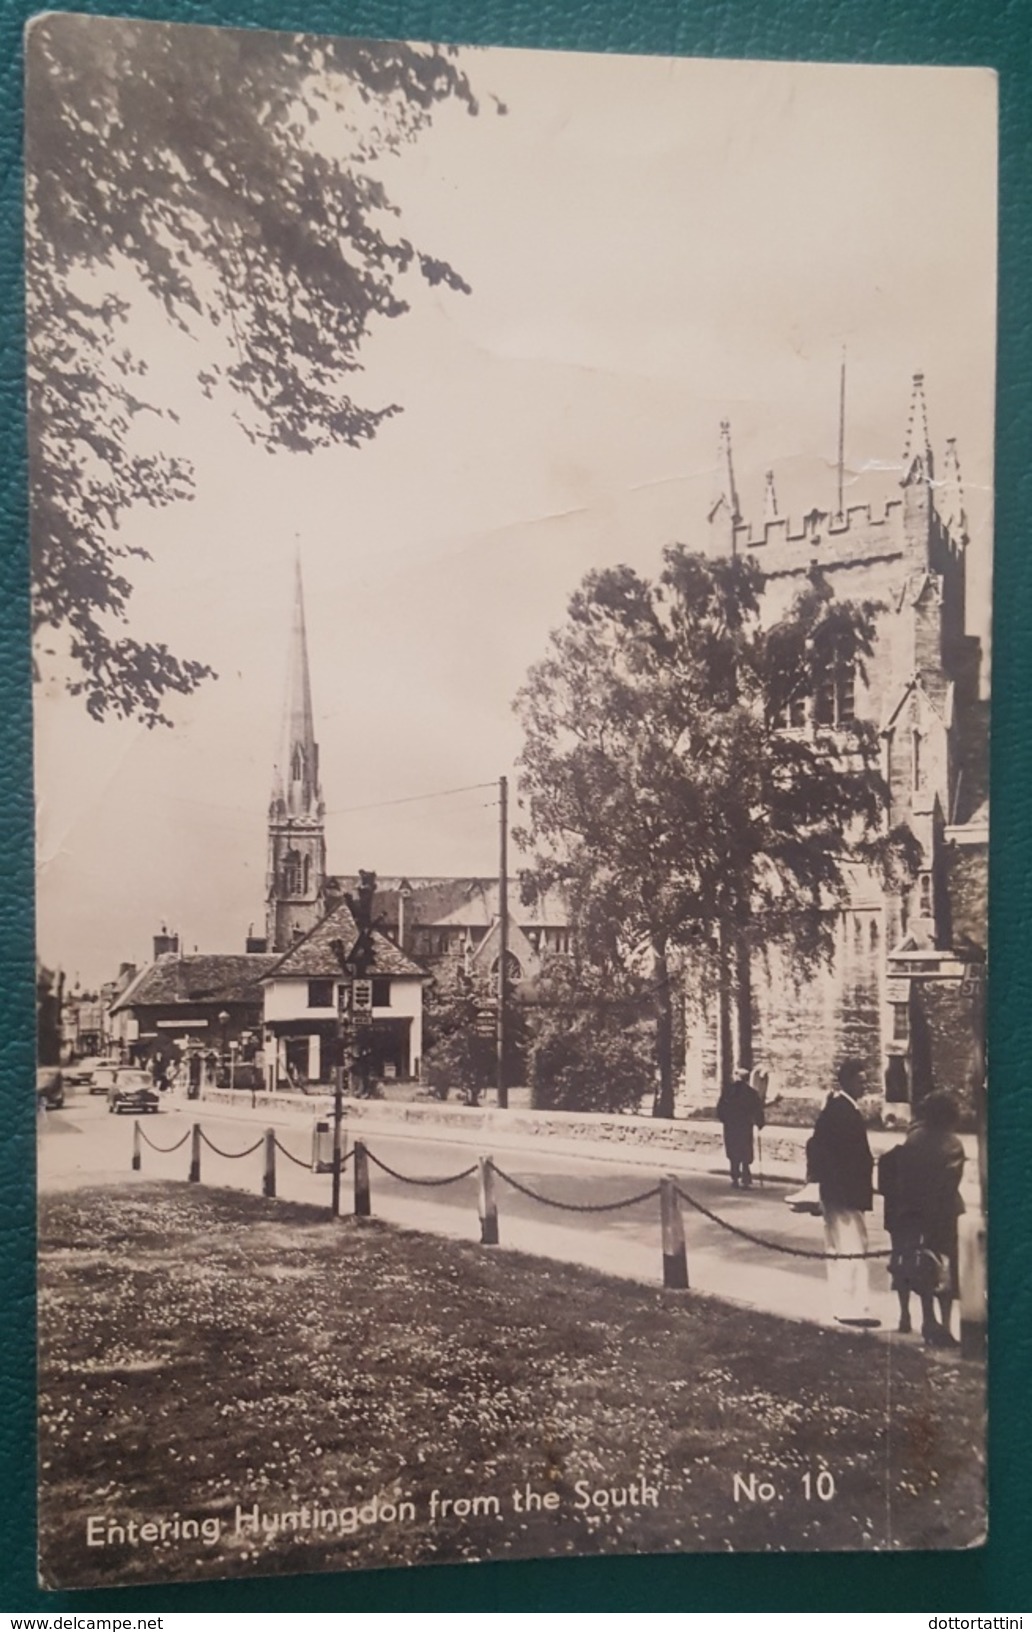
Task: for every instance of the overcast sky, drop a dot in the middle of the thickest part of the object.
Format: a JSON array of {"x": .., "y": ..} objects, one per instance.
[{"x": 652, "y": 246}]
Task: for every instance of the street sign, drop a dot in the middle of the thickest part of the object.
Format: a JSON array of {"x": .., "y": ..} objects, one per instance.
[
  {"x": 362, "y": 995},
  {"x": 897, "y": 991}
]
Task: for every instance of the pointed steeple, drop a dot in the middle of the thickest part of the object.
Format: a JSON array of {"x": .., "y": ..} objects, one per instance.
[
  {"x": 295, "y": 884},
  {"x": 950, "y": 497},
  {"x": 726, "y": 494},
  {"x": 770, "y": 499},
  {"x": 918, "y": 465},
  {"x": 295, "y": 783}
]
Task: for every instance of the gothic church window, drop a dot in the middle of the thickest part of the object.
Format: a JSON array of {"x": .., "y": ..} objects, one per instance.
[
  {"x": 793, "y": 716},
  {"x": 293, "y": 873},
  {"x": 297, "y": 764},
  {"x": 834, "y": 700},
  {"x": 917, "y": 767}
]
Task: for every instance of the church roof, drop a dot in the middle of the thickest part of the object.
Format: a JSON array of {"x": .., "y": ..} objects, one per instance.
[
  {"x": 314, "y": 954},
  {"x": 455, "y": 903},
  {"x": 199, "y": 977}
]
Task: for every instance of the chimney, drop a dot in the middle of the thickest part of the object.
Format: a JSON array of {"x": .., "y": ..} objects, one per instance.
[{"x": 165, "y": 945}]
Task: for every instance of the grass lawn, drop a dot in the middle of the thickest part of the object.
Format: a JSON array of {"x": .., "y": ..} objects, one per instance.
[{"x": 202, "y": 1350}]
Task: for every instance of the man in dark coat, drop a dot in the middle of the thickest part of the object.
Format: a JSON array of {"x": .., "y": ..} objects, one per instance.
[
  {"x": 740, "y": 1109},
  {"x": 839, "y": 1160}
]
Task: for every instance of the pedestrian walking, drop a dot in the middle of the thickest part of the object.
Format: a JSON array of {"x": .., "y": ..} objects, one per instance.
[
  {"x": 920, "y": 1181},
  {"x": 839, "y": 1161},
  {"x": 740, "y": 1110}
]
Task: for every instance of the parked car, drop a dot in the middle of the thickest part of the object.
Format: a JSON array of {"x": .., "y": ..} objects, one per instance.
[
  {"x": 49, "y": 1088},
  {"x": 132, "y": 1091}
]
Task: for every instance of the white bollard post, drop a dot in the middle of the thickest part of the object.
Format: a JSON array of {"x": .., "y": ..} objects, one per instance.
[
  {"x": 971, "y": 1243},
  {"x": 269, "y": 1177},
  {"x": 487, "y": 1202},
  {"x": 675, "y": 1253}
]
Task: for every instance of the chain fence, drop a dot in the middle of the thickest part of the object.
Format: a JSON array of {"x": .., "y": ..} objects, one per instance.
[
  {"x": 305, "y": 1162},
  {"x": 162, "y": 1150},
  {"x": 775, "y": 1246},
  {"x": 231, "y": 1155},
  {"x": 438, "y": 1182},
  {"x": 576, "y": 1206},
  {"x": 408, "y": 1178}
]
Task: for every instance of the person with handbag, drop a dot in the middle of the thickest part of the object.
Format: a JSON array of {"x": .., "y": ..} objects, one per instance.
[{"x": 920, "y": 1181}]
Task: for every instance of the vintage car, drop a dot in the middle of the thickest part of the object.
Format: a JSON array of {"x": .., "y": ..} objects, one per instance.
[
  {"x": 49, "y": 1088},
  {"x": 103, "y": 1079},
  {"x": 79, "y": 1073},
  {"x": 131, "y": 1091}
]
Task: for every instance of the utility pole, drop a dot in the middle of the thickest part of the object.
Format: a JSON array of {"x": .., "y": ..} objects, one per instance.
[
  {"x": 842, "y": 439},
  {"x": 345, "y": 998},
  {"x": 344, "y": 993},
  {"x": 503, "y": 934}
]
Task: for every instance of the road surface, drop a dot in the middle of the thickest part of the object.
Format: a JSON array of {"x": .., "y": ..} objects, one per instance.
[{"x": 84, "y": 1143}]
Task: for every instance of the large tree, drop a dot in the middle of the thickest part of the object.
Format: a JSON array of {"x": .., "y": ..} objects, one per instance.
[
  {"x": 232, "y": 175},
  {"x": 664, "y": 793}
]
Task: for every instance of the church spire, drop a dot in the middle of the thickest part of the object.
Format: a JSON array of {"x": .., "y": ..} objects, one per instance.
[
  {"x": 726, "y": 494},
  {"x": 295, "y": 894},
  {"x": 918, "y": 464},
  {"x": 950, "y": 500},
  {"x": 723, "y": 515},
  {"x": 295, "y": 786}
]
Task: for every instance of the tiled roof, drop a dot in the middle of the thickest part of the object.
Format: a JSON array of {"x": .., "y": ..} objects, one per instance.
[
  {"x": 314, "y": 955},
  {"x": 201, "y": 977},
  {"x": 455, "y": 903}
]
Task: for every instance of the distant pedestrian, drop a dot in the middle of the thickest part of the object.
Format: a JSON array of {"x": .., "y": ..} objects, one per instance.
[
  {"x": 839, "y": 1161},
  {"x": 920, "y": 1180},
  {"x": 740, "y": 1110}
]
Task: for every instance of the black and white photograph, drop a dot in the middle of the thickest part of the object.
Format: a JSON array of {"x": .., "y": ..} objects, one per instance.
[{"x": 512, "y": 554}]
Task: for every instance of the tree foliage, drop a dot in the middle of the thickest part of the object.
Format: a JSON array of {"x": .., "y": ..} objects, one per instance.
[
  {"x": 231, "y": 175},
  {"x": 593, "y": 1048},
  {"x": 460, "y": 1050},
  {"x": 662, "y": 791}
]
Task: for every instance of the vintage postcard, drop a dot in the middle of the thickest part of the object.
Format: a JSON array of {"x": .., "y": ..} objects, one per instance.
[{"x": 512, "y": 541}]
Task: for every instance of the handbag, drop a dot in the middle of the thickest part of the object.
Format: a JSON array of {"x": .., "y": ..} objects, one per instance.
[{"x": 924, "y": 1271}]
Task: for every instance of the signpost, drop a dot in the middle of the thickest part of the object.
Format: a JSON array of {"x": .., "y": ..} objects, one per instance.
[{"x": 344, "y": 995}]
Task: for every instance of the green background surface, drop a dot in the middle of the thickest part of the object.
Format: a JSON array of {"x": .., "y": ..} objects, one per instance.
[{"x": 996, "y": 1577}]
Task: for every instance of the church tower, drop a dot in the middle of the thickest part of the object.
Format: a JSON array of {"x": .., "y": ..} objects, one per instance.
[{"x": 296, "y": 877}]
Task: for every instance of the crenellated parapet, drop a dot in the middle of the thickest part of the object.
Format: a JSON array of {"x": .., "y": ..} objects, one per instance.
[{"x": 781, "y": 546}]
